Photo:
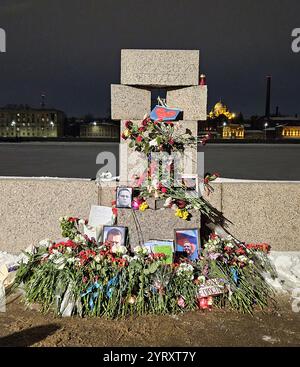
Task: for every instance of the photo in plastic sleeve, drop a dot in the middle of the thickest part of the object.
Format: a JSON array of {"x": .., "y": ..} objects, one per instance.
[
  {"x": 187, "y": 243},
  {"x": 124, "y": 197},
  {"x": 115, "y": 235}
]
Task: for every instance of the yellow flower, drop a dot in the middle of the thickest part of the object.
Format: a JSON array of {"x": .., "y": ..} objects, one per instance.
[
  {"x": 185, "y": 215},
  {"x": 178, "y": 213},
  {"x": 182, "y": 213},
  {"x": 144, "y": 206},
  {"x": 126, "y": 133}
]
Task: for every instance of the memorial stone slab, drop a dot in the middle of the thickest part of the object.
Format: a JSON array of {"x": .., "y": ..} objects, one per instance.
[
  {"x": 154, "y": 224},
  {"x": 160, "y": 68},
  {"x": 192, "y": 101},
  {"x": 129, "y": 103}
]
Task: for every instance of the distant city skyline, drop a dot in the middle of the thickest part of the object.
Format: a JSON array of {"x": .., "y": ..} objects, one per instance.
[{"x": 71, "y": 52}]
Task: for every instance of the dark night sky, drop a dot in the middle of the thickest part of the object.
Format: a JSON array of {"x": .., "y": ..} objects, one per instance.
[{"x": 70, "y": 49}]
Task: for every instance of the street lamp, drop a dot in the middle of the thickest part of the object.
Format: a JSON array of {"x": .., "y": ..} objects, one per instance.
[
  {"x": 13, "y": 124},
  {"x": 266, "y": 125}
]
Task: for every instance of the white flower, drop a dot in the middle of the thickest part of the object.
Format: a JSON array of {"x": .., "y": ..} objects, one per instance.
[
  {"x": 201, "y": 278},
  {"x": 155, "y": 183},
  {"x": 140, "y": 250},
  {"x": 185, "y": 268},
  {"x": 45, "y": 243},
  {"x": 118, "y": 249},
  {"x": 123, "y": 250},
  {"x": 69, "y": 250},
  {"x": 168, "y": 201},
  {"x": 79, "y": 238},
  {"x": 230, "y": 245},
  {"x": 153, "y": 143},
  {"x": 81, "y": 221},
  {"x": 60, "y": 262},
  {"x": 145, "y": 251},
  {"x": 71, "y": 260},
  {"x": 137, "y": 249},
  {"x": 242, "y": 258},
  {"x": 97, "y": 258},
  {"x": 126, "y": 257}
]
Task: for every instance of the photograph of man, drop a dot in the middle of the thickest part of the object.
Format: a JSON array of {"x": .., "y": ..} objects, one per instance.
[
  {"x": 114, "y": 235},
  {"x": 187, "y": 242},
  {"x": 124, "y": 197}
]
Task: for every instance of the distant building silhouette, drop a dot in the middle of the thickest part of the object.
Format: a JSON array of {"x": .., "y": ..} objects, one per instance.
[
  {"x": 25, "y": 121},
  {"x": 100, "y": 128}
]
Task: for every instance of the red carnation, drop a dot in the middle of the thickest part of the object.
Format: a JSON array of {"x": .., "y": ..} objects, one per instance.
[
  {"x": 128, "y": 124},
  {"x": 72, "y": 220},
  {"x": 139, "y": 139},
  {"x": 163, "y": 190},
  {"x": 171, "y": 141},
  {"x": 146, "y": 121},
  {"x": 240, "y": 251},
  {"x": 181, "y": 204},
  {"x": 141, "y": 129}
]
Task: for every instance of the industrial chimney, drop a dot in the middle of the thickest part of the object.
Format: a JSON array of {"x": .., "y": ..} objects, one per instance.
[{"x": 268, "y": 97}]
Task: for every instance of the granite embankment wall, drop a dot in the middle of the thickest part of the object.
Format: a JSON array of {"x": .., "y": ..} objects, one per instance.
[{"x": 261, "y": 211}]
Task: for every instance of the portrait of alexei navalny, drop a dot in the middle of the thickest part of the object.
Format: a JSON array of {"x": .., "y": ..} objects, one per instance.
[
  {"x": 187, "y": 243},
  {"x": 124, "y": 197},
  {"x": 115, "y": 235}
]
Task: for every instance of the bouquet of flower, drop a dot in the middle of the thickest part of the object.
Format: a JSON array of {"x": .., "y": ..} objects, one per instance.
[
  {"x": 157, "y": 136},
  {"x": 79, "y": 276}
]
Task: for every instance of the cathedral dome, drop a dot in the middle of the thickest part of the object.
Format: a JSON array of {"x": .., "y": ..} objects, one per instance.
[{"x": 218, "y": 106}]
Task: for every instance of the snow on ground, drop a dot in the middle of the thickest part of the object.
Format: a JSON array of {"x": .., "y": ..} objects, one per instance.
[
  {"x": 8, "y": 259},
  {"x": 287, "y": 264}
]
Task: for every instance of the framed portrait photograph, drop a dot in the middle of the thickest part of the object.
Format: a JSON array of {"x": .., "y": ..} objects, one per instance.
[
  {"x": 123, "y": 197},
  {"x": 190, "y": 183},
  {"x": 187, "y": 243},
  {"x": 116, "y": 235}
]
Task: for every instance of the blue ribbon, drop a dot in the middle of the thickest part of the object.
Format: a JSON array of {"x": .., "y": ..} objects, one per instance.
[
  {"x": 235, "y": 275},
  {"x": 110, "y": 286},
  {"x": 93, "y": 290}
]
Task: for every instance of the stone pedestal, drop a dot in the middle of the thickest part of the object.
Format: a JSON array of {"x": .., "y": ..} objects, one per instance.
[
  {"x": 142, "y": 70},
  {"x": 154, "y": 224}
]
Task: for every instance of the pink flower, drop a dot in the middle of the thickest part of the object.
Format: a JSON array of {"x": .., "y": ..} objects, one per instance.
[
  {"x": 181, "y": 302},
  {"x": 163, "y": 190},
  {"x": 139, "y": 139}
]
